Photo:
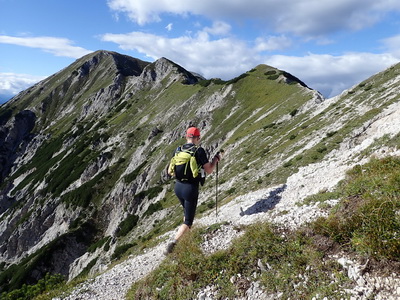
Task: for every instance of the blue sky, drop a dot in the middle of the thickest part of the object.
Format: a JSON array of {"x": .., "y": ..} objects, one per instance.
[{"x": 330, "y": 45}]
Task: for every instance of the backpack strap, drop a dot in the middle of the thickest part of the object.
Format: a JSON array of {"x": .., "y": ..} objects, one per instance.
[
  {"x": 191, "y": 149},
  {"x": 178, "y": 149},
  {"x": 188, "y": 150}
]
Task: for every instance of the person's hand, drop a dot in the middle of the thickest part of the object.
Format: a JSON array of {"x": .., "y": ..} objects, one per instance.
[{"x": 218, "y": 156}]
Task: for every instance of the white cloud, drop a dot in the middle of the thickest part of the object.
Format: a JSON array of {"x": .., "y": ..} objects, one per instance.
[
  {"x": 12, "y": 84},
  {"x": 53, "y": 45},
  {"x": 224, "y": 58},
  {"x": 332, "y": 74},
  {"x": 304, "y": 17},
  {"x": 282, "y": 23},
  {"x": 169, "y": 27},
  {"x": 392, "y": 45},
  {"x": 218, "y": 28},
  {"x": 272, "y": 43},
  {"x": 229, "y": 57}
]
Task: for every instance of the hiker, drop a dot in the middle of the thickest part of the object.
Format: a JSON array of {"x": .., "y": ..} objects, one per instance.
[{"x": 187, "y": 189}]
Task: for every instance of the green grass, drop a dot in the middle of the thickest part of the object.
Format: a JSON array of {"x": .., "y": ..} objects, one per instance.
[
  {"x": 188, "y": 269},
  {"x": 27, "y": 292},
  {"x": 366, "y": 221},
  {"x": 41, "y": 162},
  {"x": 98, "y": 244},
  {"x": 127, "y": 225},
  {"x": 367, "y": 218},
  {"x": 92, "y": 191},
  {"x": 121, "y": 250},
  {"x": 280, "y": 140},
  {"x": 132, "y": 175}
]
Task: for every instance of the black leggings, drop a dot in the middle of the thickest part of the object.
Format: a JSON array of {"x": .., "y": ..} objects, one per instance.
[{"x": 188, "y": 194}]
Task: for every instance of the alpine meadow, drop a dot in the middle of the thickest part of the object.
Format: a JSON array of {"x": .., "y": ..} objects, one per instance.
[{"x": 306, "y": 206}]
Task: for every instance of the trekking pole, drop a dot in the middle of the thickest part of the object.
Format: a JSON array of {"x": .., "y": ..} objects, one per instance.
[
  {"x": 216, "y": 191},
  {"x": 219, "y": 153}
]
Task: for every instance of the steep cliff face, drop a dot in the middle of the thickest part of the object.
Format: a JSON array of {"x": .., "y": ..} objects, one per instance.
[
  {"x": 70, "y": 169},
  {"x": 15, "y": 134},
  {"x": 84, "y": 151}
]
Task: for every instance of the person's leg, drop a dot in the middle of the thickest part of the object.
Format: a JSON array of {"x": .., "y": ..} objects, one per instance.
[
  {"x": 189, "y": 210},
  {"x": 181, "y": 231},
  {"x": 191, "y": 195},
  {"x": 188, "y": 195}
]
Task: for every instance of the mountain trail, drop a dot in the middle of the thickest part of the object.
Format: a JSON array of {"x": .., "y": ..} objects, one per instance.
[
  {"x": 262, "y": 205},
  {"x": 277, "y": 204},
  {"x": 244, "y": 210}
]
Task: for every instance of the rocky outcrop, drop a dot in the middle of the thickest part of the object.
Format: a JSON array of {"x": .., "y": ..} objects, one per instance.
[
  {"x": 14, "y": 136},
  {"x": 163, "y": 67}
]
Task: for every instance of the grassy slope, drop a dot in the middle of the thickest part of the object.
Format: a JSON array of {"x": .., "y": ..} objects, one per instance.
[{"x": 364, "y": 223}]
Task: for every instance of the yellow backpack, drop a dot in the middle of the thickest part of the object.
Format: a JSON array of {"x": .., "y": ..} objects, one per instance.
[{"x": 184, "y": 165}]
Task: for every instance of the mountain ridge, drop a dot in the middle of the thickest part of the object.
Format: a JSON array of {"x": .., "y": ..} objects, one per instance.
[{"x": 89, "y": 166}]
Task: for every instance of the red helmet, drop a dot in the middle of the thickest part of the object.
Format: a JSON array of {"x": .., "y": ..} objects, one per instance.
[{"x": 193, "y": 132}]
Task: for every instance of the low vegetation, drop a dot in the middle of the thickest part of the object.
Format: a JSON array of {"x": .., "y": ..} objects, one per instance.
[
  {"x": 43, "y": 286},
  {"x": 289, "y": 259},
  {"x": 296, "y": 264},
  {"x": 368, "y": 217}
]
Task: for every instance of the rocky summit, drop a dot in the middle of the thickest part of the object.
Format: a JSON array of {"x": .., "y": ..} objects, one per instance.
[{"x": 84, "y": 190}]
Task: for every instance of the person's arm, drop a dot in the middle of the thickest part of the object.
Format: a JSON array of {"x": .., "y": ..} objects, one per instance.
[
  {"x": 210, "y": 166},
  {"x": 168, "y": 171}
]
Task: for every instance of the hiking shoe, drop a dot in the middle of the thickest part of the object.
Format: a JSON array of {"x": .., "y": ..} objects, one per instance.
[{"x": 170, "y": 248}]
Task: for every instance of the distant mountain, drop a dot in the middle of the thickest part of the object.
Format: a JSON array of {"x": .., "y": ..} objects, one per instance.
[{"x": 84, "y": 152}]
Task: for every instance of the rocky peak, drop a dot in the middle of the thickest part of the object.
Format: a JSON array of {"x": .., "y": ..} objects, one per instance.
[
  {"x": 124, "y": 64},
  {"x": 163, "y": 68},
  {"x": 128, "y": 66}
]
